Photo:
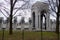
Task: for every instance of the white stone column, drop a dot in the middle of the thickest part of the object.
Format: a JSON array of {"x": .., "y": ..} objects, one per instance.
[
  {"x": 30, "y": 27},
  {"x": 32, "y": 20},
  {"x": 14, "y": 26},
  {"x": 22, "y": 27},
  {"x": 36, "y": 21},
  {"x": 39, "y": 21},
  {"x": 48, "y": 21}
]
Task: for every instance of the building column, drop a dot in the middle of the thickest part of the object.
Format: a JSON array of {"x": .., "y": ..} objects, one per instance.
[
  {"x": 39, "y": 21},
  {"x": 48, "y": 21},
  {"x": 30, "y": 27},
  {"x": 36, "y": 22},
  {"x": 22, "y": 27},
  {"x": 33, "y": 20}
]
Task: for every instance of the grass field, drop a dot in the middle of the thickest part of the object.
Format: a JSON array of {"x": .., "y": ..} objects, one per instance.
[{"x": 17, "y": 35}]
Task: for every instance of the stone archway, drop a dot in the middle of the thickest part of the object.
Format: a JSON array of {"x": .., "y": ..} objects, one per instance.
[
  {"x": 40, "y": 8},
  {"x": 43, "y": 14}
]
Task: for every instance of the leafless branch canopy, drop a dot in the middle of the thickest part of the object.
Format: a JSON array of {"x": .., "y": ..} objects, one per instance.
[
  {"x": 53, "y": 5},
  {"x": 7, "y": 10}
]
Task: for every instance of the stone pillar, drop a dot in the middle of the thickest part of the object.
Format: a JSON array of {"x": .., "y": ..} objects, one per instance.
[
  {"x": 48, "y": 21},
  {"x": 30, "y": 27},
  {"x": 14, "y": 26},
  {"x": 32, "y": 21},
  {"x": 39, "y": 21},
  {"x": 30, "y": 24},
  {"x": 51, "y": 24},
  {"x": 36, "y": 21},
  {"x": 22, "y": 27}
]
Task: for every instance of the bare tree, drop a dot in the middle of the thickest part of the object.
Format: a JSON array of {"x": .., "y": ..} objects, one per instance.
[
  {"x": 55, "y": 7},
  {"x": 12, "y": 4},
  {"x": 3, "y": 8},
  {"x": 11, "y": 11}
]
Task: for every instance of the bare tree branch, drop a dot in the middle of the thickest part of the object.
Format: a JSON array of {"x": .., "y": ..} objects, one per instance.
[
  {"x": 54, "y": 5},
  {"x": 51, "y": 6},
  {"x": 3, "y": 13},
  {"x": 1, "y": 5},
  {"x": 6, "y": 12},
  {"x": 21, "y": 7},
  {"x": 4, "y": 8},
  {"x": 57, "y": 3},
  {"x": 14, "y": 3},
  {"x": 53, "y": 15},
  {"x": 7, "y": 1}
]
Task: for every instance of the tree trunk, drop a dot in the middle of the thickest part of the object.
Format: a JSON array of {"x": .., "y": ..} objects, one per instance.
[
  {"x": 57, "y": 23},
  {"x": 57, "y": 19},
  {"x": 11, "y": 11}
]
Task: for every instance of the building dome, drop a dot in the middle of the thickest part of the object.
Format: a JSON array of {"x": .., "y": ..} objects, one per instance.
[{"x": 40, "y": 6}]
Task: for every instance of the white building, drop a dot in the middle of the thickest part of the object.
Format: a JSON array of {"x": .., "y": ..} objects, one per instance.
[{"x": 36, "y": 10}]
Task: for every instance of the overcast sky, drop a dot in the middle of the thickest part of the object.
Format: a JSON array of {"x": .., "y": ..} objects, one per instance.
[{"x": 26, "y": 15}]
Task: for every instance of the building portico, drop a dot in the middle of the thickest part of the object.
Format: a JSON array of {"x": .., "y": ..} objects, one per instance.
[{"x": 37, "y": 10}]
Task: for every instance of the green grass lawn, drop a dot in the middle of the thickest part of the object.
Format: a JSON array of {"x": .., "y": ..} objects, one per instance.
[{"x": 17, "y": 35}]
